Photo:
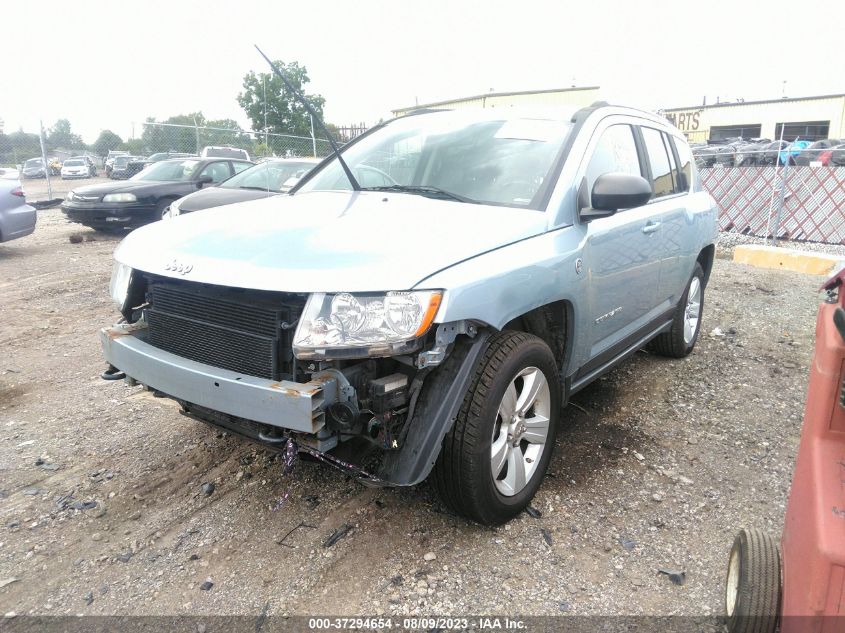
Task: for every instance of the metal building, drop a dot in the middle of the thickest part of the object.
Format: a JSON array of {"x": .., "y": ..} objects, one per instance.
[
  {"x": 808, "y": 118},
  {"x": 578, "y": 97}
]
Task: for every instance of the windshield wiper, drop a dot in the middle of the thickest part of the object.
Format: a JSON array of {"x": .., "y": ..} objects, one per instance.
[
  {"x": 258, "y": 188},
  {"x": 423, "y": 190}
]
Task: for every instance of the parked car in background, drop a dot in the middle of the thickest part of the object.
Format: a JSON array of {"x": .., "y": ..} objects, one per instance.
[
  {"x": 213, "y": 151},
  {"x": 120, "y": 167},
  {"x": 432, "y": 317},
  {"x": 154, "y": 158},
  {"x": 749, "y": 154},
  {"x": 144, "y": 197},
  {"x": 34, "y": 168},
  {"x": 269, "y": 178},
  {"x": 135, "y": 165},
  {"x": 109, "y": 162},
  {"x": 138, "y": 163},
  {"x": 816, "y": 152},
  {"x": 76, "y": 168},
  {"x": 789, "y": 153},
  {"x": 771, "y": 152},
  {"x": 837, "y": 156},
  {"x": 17, "y": 218}
]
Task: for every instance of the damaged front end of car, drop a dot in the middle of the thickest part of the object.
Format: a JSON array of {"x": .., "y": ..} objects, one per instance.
[{"x": 367, "y": 381}]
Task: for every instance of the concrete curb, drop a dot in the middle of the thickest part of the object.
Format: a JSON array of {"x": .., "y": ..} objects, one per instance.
[{"x": 792, "y": 259}]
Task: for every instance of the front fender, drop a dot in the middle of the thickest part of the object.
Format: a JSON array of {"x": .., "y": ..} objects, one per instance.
[{"x": 436, "y": 408}]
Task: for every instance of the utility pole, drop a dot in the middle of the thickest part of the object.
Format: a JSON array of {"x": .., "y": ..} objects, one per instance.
[
  {"x": 44, "y": 158},
  {"x": 264, "y": 82},
  {"x": 313, "y": 138}
]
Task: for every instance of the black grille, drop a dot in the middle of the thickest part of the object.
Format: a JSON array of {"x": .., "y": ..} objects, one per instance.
[{"x": 238, "y": 330}]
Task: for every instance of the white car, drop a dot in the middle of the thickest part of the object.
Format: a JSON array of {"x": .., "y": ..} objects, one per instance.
[
  {"x": 75, "y": 168},
  {"x": 214, "y": 151}
]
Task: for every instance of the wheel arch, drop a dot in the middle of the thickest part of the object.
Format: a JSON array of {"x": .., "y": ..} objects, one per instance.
[
  {"x": 705, "y": 258},
  {"x": 553, "y": 323}
]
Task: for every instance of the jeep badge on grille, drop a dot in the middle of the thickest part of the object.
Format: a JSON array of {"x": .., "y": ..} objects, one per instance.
[{"x": 178, "y": 267}]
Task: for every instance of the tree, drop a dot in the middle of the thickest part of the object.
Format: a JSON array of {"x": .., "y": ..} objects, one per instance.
[
  {"x": 20, "y": 146},
  {"x": 170, "y": 137},
  {"x": 60, "y": 135},
  {"x": 285, "y": 114},
  {"x": 107, "y": 140}
]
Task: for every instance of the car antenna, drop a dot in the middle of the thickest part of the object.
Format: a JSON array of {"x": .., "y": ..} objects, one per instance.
[{"x": 304, "y": 102}]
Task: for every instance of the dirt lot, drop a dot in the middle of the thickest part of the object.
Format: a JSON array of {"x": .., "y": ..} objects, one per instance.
[
  {"x": 36, "y": 188},
  {"x": 660, "y": 464}
]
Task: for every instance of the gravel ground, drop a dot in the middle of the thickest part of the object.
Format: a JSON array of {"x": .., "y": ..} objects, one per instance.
[
  {"x": 727, "y": 241},
  {"x": 105, "y": 506}
]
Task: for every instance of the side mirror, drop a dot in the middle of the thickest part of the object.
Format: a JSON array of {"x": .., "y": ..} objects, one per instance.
[
  {"x": 204, "y": 180},
  {"x": 614, "y": 191}
]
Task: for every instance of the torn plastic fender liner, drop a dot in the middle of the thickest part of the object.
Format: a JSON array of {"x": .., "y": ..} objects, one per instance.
[{"x": 439, "y": 402}]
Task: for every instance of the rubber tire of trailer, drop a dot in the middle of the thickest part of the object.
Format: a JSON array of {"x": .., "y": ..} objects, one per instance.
[
  {"x": 757, "y": 603},
  {"x": 462, "y": 474}
]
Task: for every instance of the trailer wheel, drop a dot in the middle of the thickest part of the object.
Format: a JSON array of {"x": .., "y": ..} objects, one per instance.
[{"x": 752, "y": 586}]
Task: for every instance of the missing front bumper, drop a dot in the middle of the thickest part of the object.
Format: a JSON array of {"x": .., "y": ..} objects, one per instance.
[{"x": 288, "y": 405}]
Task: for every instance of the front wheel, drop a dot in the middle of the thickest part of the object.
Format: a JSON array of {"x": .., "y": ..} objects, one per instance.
[
  {"x": 686, "y": 323},
  {"x": 495, "y": 456}
]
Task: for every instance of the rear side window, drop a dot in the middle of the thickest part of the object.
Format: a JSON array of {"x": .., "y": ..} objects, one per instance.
[
  {"x": 662, "y": 182},
  {"x": 616, "y": 151},
  {"x": 685, "y": 158}
]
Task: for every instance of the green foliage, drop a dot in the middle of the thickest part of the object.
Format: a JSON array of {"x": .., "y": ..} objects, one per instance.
[
  {"x": 285, "y": 115},
  {"x": 107, "y": 140},
  {"x": 261, "y": 150},
  {"x": 17, "y": 147},
  {"x": 134, "y": 146},
  {"x": 167, "y": 138},
  {"x": 61, "y": 136}
]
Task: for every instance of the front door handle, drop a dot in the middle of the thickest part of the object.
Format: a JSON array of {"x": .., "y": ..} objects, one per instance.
[{"x": 651, "y": 227}]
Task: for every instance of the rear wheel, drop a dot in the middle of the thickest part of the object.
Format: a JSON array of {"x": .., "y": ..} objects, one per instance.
[
  {"x": 752, "y": 586},
  {"x": 686, "y": 323},
  {"x": 495, "y": 456}
]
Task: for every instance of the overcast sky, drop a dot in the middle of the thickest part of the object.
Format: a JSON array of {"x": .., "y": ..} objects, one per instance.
[{"x": 104, "y": 64}]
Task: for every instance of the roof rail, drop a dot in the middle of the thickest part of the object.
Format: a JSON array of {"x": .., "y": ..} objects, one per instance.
[{"x": 583, "y": 113}]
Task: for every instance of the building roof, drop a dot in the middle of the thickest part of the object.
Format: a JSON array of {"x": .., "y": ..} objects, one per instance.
[
  {"x": 435, "y": 104},
  {"x": 741, "y": 103}
]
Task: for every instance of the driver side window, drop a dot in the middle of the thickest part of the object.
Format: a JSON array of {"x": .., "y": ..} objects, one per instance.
[
  {"x": 218, "y": 172},
  {"x": 616, "y": 151}
]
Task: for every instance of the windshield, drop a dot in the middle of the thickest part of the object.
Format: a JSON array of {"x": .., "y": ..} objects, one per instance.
[
  {"x": 33, "y": 162},
  {"x": 172, "y": 170},
  {"x": 73, "y": 163},
  {"x": 475, "y": 155},
  {"x": 270, "y": 176},
  {"x": 121, "y": 161}
]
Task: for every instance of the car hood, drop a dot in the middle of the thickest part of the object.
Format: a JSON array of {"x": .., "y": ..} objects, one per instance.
[
  {"x": 217, "y": 197},
  {"x": 325, "y": 241},
  {"x": 138, "y": 187}
]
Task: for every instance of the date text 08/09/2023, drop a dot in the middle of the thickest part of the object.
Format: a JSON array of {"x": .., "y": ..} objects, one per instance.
[{"x": 491, "y": 623}]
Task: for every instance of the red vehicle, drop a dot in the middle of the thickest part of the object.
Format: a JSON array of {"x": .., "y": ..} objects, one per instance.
[{"x": 799, "y": 587}]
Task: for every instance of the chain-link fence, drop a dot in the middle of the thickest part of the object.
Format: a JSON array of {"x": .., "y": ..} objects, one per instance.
[
  {"x": 169, "y": 137},
  {"x": 49, "y": 171}
]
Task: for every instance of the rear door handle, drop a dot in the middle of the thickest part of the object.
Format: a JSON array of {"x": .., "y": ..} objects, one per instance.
[{"x": 651, "y": 227}]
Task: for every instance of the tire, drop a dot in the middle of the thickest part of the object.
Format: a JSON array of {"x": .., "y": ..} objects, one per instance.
[
  {"x": 752, "y": 584},
  {"x": 463, "y": 474},
  {"x": 158, "y": 214},
  {"x": 678, "y": 341}
]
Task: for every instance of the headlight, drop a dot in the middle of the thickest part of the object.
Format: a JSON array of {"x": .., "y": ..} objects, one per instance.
[
  {"x": 119, "y": 284},
  {"x": 120, "y": 197},
  {"x": 348, "y": 325}
]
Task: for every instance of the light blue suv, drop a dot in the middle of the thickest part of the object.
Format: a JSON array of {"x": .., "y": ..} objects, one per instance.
[{"x": 427, "y": 306}]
